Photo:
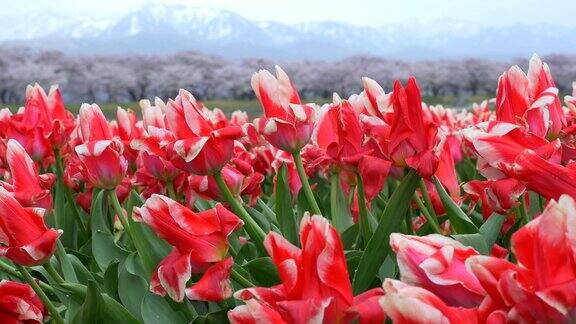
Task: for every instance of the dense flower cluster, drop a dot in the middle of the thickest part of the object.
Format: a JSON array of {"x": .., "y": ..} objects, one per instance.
[{"x": 407, "y": 212}]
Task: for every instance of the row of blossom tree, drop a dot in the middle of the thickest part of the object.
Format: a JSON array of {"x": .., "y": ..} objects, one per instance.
[{"x": 132, "y": 77}]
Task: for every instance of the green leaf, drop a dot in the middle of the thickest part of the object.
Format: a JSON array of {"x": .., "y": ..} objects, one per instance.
[
  {"x": 93, "y": 309},
  {"x": 352, "y": 260},
  {"x": 104, "y": 248},
  {"x": 491, "y": 229},
  {"x": 266, "y": 210},
  {"x": 111, "y": 310},
  {"x": 247, "y": 252},
  {"x": 111, "y": 280},
  {"x": 262, "y": 220},
  {"x": 263, "y": 271},
  {"x": 378, "y": 246},
  {"x": 82, "y": 273},
  {"x": 474, "y": 240},
  {"x": 65, "y": 263},
  {"x": 156, "y": 310},
  {"x": 131, "y": 286},
  {"x": 284, "y": 211},
  {"x": 339, "y": 209},
  {"x": 151, "y": 249},
  {"x": 349, "y": 236},
  {"x": 388, "y": 268},
  {"x": 459, "y": 221},
  {"x": 212, "y": 318},
  {"x": 488, "y": 235}
]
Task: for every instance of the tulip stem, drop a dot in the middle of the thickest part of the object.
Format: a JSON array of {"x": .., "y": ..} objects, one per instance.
[
  {"x": 427, "y": 199},
  {"x": 541, "y": 203},
  {"x": 171, "y": 191},
  {"x": 66, "y": 192},
  {"x": 53, "y": 273},
  {"x": 240, "y": 279},
  {"x": 522, "y": 210},
  {"x": 47, "y": 302},
  {"x": 252, "y": 228},
  {"x": 364, "y": 221},
  {"x": 8, "y": 269},
  {"x": 118, "y": 210},
  {"x": 305, "y": 184},
  {"x": 432, "y": 221}
]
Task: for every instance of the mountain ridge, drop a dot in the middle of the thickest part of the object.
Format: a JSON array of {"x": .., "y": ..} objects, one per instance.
[{"x": 161, "y": 29}]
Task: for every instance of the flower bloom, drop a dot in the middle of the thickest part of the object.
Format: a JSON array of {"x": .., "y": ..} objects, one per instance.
[
  {"x": 24, "y": 238},
  {"x": 126, "y": 128},
  {"x": 101, "y": 155},
  {"x": 496, "y": 195},
  {"x": 540, "y": 287},
  {"x": 20, "y": 304},
  {"x": 287, "y": 123},
  {"x": 438, "y": 263},
  {"x": 530, "y": 100},
  {"x": 498, "y": 144},
  {"x": 200, "y": 244},
  {"x": 200, "y": 147},
  {"x": 548, "y": 179},
  {"x": 406, "y": 304},
  {"x": 41, "y": 126},
  {"x": 240, "y": 179},
  {"x": 315, "y": 283},
  {"x": 413, "y": 141},
  {"x": 29, "y": 188},
  {"x": 340, "y": 136},
  {"x": 48, "y": 109}
]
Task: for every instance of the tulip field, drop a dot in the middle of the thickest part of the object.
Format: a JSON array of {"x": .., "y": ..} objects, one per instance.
[{"x": 371, "y": 209}]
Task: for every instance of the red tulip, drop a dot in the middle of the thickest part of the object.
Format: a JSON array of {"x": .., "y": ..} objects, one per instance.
[
  {"x": 30, "y": 136},
  {"x": 29, "y": 188},
  {"x": 153, "y": 116},
  {"x": 239, "y": 181},
  {"x": 200, "y": 241},
  {"x": 412, "y": 140},
  {"x": 49, "y": 113},
  {"x": 498, "y": 144},
  {"x": 101, "y": 155},
  {"x": 498, "y": 196},
  {"x": 214, "y": 284},
  {"x": 438, "y": 263},
  {"x": 92, "y": 124},
  {"x": 540, "y": 288},
  {"x": 253, "y": 312},
  {"x": 315, "y": 283},
  {"x": 294, "y": 181},
  {"x": 126, "y": 129},
  {"x": 153, "y": 160},
  {"x": 24, "y": 238},
  {"x": 339, "y": 133},
  {"x": 530, "y": 100},
  {"x": 340, "y": 136},
  {"x": 377, "y": 102},
  {"x": 287, "y": 124},
  {"x": 548, "y": 179},
  {"x": 571, "y": 100},
  {"x": 41, "y": 125},
  {"x": 20, "y": 304},
  {"x": 103, "y": 162},
  {"x": 406, "y": 304},
  {"x": 200, "y": 148},
  {"x": 541, "y": 86}
]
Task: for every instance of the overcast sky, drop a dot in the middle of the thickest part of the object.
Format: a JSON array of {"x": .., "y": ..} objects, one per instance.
[{"x": 359, "y": 12}]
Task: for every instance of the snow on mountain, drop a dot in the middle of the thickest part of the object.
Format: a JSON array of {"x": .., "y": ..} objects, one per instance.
[{"x": 159, "y": 28}]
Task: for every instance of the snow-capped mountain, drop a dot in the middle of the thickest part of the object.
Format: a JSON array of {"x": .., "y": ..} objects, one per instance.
[{"x": 169, "y": 28}]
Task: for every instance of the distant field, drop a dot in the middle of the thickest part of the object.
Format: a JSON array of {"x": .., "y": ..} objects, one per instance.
[{"x": 253, "y": 108}]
